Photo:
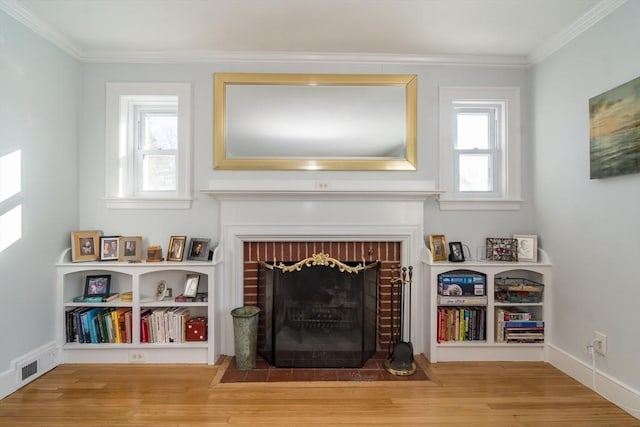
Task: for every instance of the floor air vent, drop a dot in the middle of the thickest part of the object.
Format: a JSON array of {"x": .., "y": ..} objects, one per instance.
[{"x": 29, "y": 370}]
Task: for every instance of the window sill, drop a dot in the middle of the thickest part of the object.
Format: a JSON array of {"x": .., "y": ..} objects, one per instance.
[
  {"x": 147, "y": 203},
  {"x": 479, "y": 204}
]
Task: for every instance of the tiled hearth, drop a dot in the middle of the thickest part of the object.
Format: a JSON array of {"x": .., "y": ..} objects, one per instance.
[{"x": 373, "y": 370}]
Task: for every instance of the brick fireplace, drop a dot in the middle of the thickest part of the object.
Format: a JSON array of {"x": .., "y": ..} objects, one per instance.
[
  {"x": 264, "y": 219},
  {"x": 388, "y": 253}
]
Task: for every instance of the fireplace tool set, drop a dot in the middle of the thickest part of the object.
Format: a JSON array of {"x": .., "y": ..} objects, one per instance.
[{"x": 400, "y": 360}]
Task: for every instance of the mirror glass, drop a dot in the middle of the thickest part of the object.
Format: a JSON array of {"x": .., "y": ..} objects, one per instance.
[{"x": 314, "y": 121}]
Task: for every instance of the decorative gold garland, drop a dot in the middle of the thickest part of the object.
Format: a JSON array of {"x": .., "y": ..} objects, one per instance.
[{"x": 319, "y": 259}]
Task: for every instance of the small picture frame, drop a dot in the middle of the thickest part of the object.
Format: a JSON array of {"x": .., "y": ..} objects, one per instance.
[
  {"x": 437, "y": 246},
  {"x": 109, "y": 248},
  {"x": 176, "y": 248},
  {"x": 130, "y": 249},
  {"x": 502, "y": 249},
  {"x": 97, "y": 286},
  {"x": 191, "y": 285},
  {"x": 198, "y": 249},
  {"x": 85, "y": 245},
  {"x": 456, "y": 252},
  {"x": 527, "y": 247}
]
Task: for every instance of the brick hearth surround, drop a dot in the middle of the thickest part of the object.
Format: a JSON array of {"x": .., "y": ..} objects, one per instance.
[{"x": 388, "y": 253}]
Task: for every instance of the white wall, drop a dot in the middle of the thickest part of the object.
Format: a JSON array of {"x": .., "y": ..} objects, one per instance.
[
  {"x": 39, "y": 94},
  {"x": 590, "y": 227},
  {"x": 202, "y": 221}
]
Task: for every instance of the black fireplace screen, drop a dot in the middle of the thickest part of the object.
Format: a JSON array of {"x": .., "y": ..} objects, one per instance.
[{"x": 317, "y": 316}]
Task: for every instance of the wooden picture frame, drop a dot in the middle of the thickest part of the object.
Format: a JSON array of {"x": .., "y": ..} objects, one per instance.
[
  {"x": 502, "y": 249},
  {"x": 175, "y": 252},
  {"x": 109, "y": 246},
  {"x": 85, "y": 245},
  {"x": 130, "y": 249},
  {"x": 97, "y": 286},
  {"x": 437, "y": 246},
  {"x": 527, "y": 247},
  {"x": 191, "y": 285},
  {"x": 198, "y": 249},
  {"x": 456, "y": 252}
]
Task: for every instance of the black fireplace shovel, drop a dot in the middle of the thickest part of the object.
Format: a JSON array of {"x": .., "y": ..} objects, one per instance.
[{"x": 400, "y": 362}]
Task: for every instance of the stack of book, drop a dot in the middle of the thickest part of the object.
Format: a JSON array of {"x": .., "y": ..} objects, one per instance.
[{"x": 518, "y": 327}]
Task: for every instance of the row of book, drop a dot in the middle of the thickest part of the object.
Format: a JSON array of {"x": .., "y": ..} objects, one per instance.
[
  {"x": 461, "y": 324},
  {"x": 164, "y": 325},
  {"x": 99, "y": 325},
  {"x": 518, "y": 327}
]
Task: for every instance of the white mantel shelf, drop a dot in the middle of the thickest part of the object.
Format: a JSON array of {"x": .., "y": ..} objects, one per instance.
[{"x": 322, "y": 189}]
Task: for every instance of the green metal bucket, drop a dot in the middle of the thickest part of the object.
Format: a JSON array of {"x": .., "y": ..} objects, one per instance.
[{"x": 245, "y": 336}]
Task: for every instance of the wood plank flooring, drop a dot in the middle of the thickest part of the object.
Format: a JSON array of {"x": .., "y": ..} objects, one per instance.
[{"x": 473, "y": 394}]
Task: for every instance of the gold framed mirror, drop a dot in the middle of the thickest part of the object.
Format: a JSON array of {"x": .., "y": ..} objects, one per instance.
[{"x": 315, "y": 121}]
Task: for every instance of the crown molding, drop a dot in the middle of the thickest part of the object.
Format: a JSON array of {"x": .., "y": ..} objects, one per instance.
[
  {"x": 26, "y": 18},
  {"x": 586, "y": 21},
  {"x": 206, "y": 56}
]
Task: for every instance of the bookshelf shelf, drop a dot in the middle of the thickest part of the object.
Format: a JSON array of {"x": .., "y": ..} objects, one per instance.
[
  {"x": 489, "y": 346},
  {"x": 141, "y": 279}
]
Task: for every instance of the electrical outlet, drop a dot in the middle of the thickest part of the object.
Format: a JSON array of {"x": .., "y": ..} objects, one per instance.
[
  {"x": 136, "y": 356},
  {"x": 600, "y": 343}
]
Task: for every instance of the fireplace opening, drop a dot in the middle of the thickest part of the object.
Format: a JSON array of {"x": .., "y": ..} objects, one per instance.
[{"x": 317, "y": 313}]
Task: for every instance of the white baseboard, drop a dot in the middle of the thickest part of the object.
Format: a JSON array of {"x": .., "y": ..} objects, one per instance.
[
  {"x": 27, "y": 368},
  {"x": 606, "y": 386}
]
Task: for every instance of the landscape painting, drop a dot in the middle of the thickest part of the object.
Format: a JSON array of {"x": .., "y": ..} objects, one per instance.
[{"x": 614, "y": 127}]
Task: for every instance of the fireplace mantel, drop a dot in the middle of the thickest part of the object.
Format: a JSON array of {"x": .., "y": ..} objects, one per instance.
[
  {"x": 315, "y": 211},
  {"x": 322, "y": 189}
]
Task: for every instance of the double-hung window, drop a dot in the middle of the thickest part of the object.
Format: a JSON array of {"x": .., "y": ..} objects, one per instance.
[
  {"x": 148, "y": 145},
  {"x": 479, "y": 148}
]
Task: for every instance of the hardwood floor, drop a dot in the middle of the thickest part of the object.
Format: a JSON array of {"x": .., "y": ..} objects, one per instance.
[{"x": 474, "y": 394}]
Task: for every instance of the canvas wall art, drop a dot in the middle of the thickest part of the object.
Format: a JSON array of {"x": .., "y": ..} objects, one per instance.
[{"x": 614, "y": 128}]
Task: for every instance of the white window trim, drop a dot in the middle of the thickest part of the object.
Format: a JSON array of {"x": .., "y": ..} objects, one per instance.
[
  {"x": 118, "y": 192},
  {"x": 510, "y": 198}
]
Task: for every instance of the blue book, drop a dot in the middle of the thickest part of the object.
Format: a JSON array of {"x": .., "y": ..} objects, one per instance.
[{"x": 524, "y": 324}]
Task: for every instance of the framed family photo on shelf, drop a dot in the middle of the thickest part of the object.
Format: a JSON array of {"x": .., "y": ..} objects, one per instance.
[
  {"x": 198, "y": 249},
  {"x": 191, "y": 285},
  {"x": 502, "y": 249},
  {"x": 97, "y": 286},
  {"x": 109, "y": 248},
  {"x": 130, "y": 249},
  {"x": 527, "y": 247},
  {"x": 176, "y": 248},
  {"x": 437, "y": 246},
  {"x": 85, "y": 245}
]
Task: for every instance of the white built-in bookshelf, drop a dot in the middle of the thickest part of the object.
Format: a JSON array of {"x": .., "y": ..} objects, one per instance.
[
  {"x": 491, "y": 346},
  {"x": 141, "y": 279}
]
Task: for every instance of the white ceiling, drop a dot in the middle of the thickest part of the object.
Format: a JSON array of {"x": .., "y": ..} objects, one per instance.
[{"x": 496, "y": 31}]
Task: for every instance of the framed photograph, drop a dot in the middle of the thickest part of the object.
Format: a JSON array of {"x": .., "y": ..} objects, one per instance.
[
  {"x": 191, "y": 285},
  {"x": 527, "y": 247},
  {"x": 437, "y": 246},
  {"x": 198, "y": 249},
  {"x": 176, "y": 248},
  {"x": 130, "y": 249},
  {"x": 109, "y": 248},
  {"x": 502, "y": 249},
  {"x": 97, "y": 286},
  {"x": 85, "y": 245},
  {"x": 456, "y": 253}
]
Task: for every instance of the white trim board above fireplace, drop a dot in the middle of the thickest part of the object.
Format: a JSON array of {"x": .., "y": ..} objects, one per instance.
[{"x": 317, "y": 211}]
